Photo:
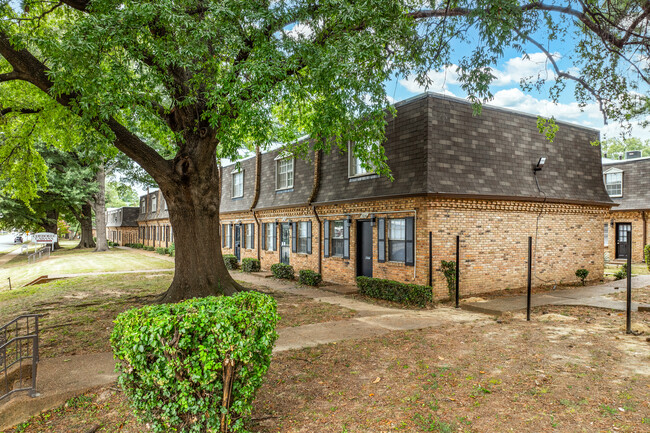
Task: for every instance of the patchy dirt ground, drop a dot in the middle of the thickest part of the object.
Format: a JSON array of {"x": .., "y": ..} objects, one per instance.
[
  {"x": 641, "y": 295},
  {"x": 79, "y": 312},
  {"x": 557, "y": 373}
]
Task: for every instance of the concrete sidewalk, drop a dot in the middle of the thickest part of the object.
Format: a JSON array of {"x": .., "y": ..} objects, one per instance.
[{"x": 592, "y": 296}]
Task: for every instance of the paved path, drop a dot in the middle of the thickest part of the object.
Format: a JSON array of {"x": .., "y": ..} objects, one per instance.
[
  {"x": 591, "y": 296},
  {"x": 10, "y": 255},
  {"x": 62, "y": 378},
  {"x": 85, "y": 274}
]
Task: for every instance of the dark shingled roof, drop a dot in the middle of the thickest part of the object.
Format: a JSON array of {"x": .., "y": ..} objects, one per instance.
[
  {"x": 436, "y": 146},
  {"x": 636, "y": 183},
  {"x": 122, "y": 217},
  {"x": 159, "y": 213}
]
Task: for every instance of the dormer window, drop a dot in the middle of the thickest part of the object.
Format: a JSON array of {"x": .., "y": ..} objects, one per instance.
[
  {"x": 238, "y": 184},
  {"x": 154, "y": 203},
  {"x": 284, "y": 173},
  {"x": 354, "y": 164},
  {"x": 614, "y": 182},
  {"x": 143, "y": 205}
]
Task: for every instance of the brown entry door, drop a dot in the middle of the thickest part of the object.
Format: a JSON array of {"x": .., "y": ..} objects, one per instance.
[{"x": 621, "y": 239}]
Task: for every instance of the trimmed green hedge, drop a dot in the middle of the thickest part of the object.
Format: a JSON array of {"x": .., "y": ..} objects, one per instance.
[
  {"x": 283, "y": 271},
  {"x": 250, "y": 265},
  {"x": 138, "y": 246},
  {"x": 231, "y": 261},
  {"x": 161, "y": 250},
  {"x": 309, "y": 278},
  {"x": 174, "y": 358},
  {"x": 646, "y": 255},
  {"x": 172, "y": 249},
  {"x": 408, "y": 294},
  {"x": 148, "y": 248}
]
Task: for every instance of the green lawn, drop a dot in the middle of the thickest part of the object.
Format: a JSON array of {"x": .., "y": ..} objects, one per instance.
[
  {"x": 71, "y": 261},
  {"x": 637, "y": 269}
]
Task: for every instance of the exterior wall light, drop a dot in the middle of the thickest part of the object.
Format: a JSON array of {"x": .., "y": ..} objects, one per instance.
[{"x": 540, "y": 164}]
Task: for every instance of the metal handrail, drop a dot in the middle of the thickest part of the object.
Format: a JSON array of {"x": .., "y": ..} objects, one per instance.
[
  {"x": 32, "y": 257},
  {"x": 18, "y": 353}
]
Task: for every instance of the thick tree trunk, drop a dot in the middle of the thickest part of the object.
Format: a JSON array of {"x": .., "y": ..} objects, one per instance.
[
  {"x": 99, "y": 206},
  {"x": 86, "y": 224},
  {"x": 193, "y": 203},
  {"x": 50, "y": 224}
]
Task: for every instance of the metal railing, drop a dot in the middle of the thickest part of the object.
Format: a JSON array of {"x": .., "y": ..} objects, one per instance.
[
  {"x": 38, "y": 255},
  {"x": 19, "y": 356}
]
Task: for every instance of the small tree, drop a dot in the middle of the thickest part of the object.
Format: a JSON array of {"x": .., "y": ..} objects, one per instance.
[{"x": 582, "y": 274}]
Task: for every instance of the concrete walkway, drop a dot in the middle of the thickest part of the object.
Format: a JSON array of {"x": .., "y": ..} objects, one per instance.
[
  {"x": 10, "y": 255},
  {"x": 62, "y": 378},
  {"x": 592, "y": 296}
]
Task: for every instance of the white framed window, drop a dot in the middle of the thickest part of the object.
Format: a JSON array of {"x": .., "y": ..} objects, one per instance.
[
  {"x": 606, "y": 234},
  {"x": 270, "y": 234},
  {"x": 238, "y": 184},
  {"x": 227, "y": 235},
  {"x": 284, "y": 174},
  {"x": 154, "y": 203},
  {"x": 164, "y": 203},
  {"x": 249, "y": 236},
  {"x": 143, "y": 205},
  {"x": 397, "y": 240},
  {"x": 354, "y": 164},
  {"x": 303, "y": 237},
  {"x": 614, "y": 182},
  {"x": 337, "y": 238}
]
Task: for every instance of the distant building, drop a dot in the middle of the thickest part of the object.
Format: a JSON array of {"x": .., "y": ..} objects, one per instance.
[
  {"x": 628, "y": 184},
  {"x": 122, "y": 225},
  {"x": 154, "y": 228}
]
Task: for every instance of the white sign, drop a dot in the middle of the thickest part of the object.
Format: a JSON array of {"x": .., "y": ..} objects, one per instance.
[{"x": 45, "y": 238}]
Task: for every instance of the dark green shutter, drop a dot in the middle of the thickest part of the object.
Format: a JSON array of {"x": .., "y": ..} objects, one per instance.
[
  {"x": 230, "y": 237},
  {"x": 223, "y": 235},
  {"x": 326, "y": 238},
  {"x": 410, "y": 244},
  {"x": 274, "y": 229},
  {"x": 346, "y": 239},
  {"x": 263, "y": 236},
  {"x": 308, "y": 237},
  {"x": 294, "y": 237},
  {"x": 381, "y": 240},
  {"x": 252, "y": 229}
]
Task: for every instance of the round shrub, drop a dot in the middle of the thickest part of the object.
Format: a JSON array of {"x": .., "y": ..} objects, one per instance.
[
  {"x": 250, "y": 265},
  {"x": 283, "y": 271},
  {"x": 309, "y": 277},
  {"x": 582, "y": 274},
  {"x": 176, "y": 358},
  {"x": 231, "y": 261}
]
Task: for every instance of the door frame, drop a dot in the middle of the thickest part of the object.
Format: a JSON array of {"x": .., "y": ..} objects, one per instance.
[
  {"x": 288, "y": 243},
  {"x": 618, "y": 253},
  {"x": 358, "y": 236}
]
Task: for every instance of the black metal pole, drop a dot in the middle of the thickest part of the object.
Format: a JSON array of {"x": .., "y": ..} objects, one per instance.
[
  {"x": 530, "y": 267},
  {"x": 457, "y": 271},
  {"x": 9, "y": 283},
  {"x": 628, "y": 318},
  {"x": 430, "y": 259}
]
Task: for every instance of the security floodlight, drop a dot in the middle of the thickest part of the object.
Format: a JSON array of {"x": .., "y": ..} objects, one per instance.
[{"x": 540, "y": 164}]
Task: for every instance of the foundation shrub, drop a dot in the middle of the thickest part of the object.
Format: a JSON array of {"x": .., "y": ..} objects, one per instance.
[
  {"x": 283, "y": 271},
  {"x": 137, "y": 246},
  {"x": 646, "y": 255},
  {"x": 582, "y": 275},
  {"x": 172, "y": 249},
  {"x": 309, "y": 277},
  {"x": 231, "y": 261},
  {"x": 148, "y": 248},
  {"x": 161, "y": 250},
  {"x": 449, "y": 270},
  {"x": 621, "y": 273},
  {"x": 177, "y": 360},
  {"x": 250, "y": 265},
  {"x": 408, "y": 294}
]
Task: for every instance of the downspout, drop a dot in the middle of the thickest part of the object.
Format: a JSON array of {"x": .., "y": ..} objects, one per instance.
[
  {"x": 645, "y": 234},
  {"x": 314, "y": 192},
  {"x": 256, "y": 196}
]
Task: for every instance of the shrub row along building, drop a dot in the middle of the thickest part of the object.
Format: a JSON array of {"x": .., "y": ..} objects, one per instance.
[{"x": 455, "y": 174}]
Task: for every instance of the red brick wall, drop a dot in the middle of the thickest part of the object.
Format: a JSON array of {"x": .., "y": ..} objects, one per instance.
[{"x": 636, "y": 219}]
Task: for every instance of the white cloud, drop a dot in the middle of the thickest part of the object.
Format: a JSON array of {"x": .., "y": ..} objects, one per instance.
[
  {"x": 440, "y": 81},
  {"x": 516, "y": 99},
  {"x": 536, "y": 65}
]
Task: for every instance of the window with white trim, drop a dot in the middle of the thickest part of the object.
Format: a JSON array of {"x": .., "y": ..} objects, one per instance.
[
  {"x": 606, "y": 234},
  {"x": 355, "y": 167},
  {"x": 303, "y": 237},
  {"x": 154, "y": 203},
  {"x": 337, "y": 238},
  {"x": 238, "y": 184},
  {"x": 397, "y": 240},
  {"x": 249, "y": 236},
  {"x": 270, "y": 234},
  {"x": 227, "y": 235},
  {"x": 614, "y": 183},
  {"x": 284, "y": 173},
  {"x": 143, "y": 205},
  {"x": 164, "y": 203}
]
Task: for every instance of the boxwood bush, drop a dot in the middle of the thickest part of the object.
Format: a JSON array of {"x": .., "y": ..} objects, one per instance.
[
  {"x": 309, "y": 277},
  {"x": 283, "y": 271},
  {"x": 161, "y": 250},
  {"x": 172, "y": 249},
  {"x": 231, "y": 261},
  {"x": 174, "y": 357},
  {"x": 250, "y": 265},
  {"x": 582, "y": 275},
  {"x": 408, "y": 294}
]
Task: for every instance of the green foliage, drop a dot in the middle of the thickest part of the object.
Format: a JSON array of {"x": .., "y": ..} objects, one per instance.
[
  {"x": 231, "y": 262},
  {"x": 616, "y": 147},
  {"x": 148, "y": 248},
  {"x": 250, "y": 265},
  {"x": 449, "y": 270},
  {"x": 172, "y": 249},
  {"x": 621, "y": 273},
  {"x": 173, "y": 358},
  {"x": 119, "y": 194},
  {"x": 646, "y": 255},
  {"x": 137, "y": 246},
  {"x": 309, "y": 277},
  {"x": 283, "y": 271},
  {"x": 408, "y": 294},
  {"x": 162, "y": 250},
  {"x": 548, "y": 127},
  {"x": 582, "y": 275}
]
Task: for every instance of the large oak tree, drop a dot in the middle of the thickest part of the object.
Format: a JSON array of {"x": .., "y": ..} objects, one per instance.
[{"x": 177, "y": 84}]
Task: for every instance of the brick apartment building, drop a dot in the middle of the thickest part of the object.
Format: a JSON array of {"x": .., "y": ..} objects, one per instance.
[
  {"x": 122, "y": 225},
  {"x": 628, "y": 184},
  {"x": 154, "y": 228},
  {"x": 454, "y": 174}
]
